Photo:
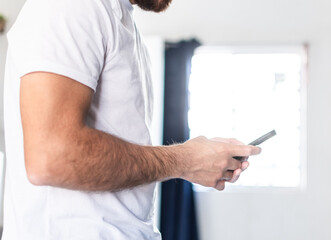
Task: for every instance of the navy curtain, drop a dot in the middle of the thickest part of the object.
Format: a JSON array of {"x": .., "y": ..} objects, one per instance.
[{"x": 178, "y": 218}]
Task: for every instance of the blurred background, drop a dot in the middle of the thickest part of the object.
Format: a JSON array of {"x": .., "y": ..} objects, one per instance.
[{"x": 242, "y": 68}]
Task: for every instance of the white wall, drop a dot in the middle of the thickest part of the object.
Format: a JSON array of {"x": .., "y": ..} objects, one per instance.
[
  {"x": 264, "y": 215},
  {"x": 294, "y": 216}
]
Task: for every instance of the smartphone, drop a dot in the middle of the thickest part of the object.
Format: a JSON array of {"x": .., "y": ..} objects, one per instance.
[
  {"x": 260, "y": 140},
  {"x": 263, "y": 138}
]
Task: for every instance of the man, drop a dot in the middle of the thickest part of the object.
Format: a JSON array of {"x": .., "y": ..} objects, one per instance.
[{"x": 77, "y": 114}]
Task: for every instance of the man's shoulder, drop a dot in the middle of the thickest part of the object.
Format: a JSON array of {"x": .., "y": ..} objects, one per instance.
[
  {"x": 67, "y": 7},
  {"x": 44, "y": 15}
]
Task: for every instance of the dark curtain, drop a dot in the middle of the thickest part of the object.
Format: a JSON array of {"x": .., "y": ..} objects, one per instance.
[{"x": 178, "y": 218}]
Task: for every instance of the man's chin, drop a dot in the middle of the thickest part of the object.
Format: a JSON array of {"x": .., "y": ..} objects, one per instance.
[{"x": 153, "y": 5}]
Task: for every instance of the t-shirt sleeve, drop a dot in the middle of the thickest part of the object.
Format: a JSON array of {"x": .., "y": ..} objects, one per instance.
[{"x": 66, "y": 37}]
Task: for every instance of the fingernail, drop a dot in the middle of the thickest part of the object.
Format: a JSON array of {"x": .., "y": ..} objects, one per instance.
[{"x": 236, "y": 179}]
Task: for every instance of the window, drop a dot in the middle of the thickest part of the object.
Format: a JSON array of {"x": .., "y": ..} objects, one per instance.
[{"x": 244, "y": 92}]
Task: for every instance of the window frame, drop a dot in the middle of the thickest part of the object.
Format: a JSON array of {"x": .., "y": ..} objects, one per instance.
[{"x": 302, "y": 50}]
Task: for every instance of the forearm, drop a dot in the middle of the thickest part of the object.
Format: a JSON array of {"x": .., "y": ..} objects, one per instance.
[
  {"x": 60, "y": 150},
  {"x": 92, "y": 160}
]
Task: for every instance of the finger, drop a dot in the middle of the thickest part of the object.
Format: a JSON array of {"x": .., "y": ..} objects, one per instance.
[
  {"x": 244, "y": 165},
  {"x": 243, "y": 159},
  {"x": 244, "y": 150},
  {"x": 235, "y": 141},
  {"x": 220, "y": 185},
  {"x": 218, "y": 139},
  {"x": 236, "y": 175},
  {"x": 233, "y": 164},
  {"x": 228, "y": 175},
  {"x": 227, "y": 140}
]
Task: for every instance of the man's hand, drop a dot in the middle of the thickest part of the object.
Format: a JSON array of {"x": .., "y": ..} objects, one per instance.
[
  {"x": 244, "y": 162},
  {"x": 211, "y": 162}
]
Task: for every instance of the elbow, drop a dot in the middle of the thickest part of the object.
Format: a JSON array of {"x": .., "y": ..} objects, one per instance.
[
  {"x": 38, "y": 169},
  {"x": 46, "y": 161},
  {"x": 35, "y": 178}
]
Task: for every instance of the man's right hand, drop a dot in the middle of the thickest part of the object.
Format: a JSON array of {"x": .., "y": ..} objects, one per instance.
[
  {"x": 62, "y": 151},
  {"x": 211, "y": 162}
]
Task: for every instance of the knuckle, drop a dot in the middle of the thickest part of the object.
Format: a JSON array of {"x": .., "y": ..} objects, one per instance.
[
  {"x": 224, "y": 164},
  {"x": 220, "y": 175},
  {"x": 220, "y": 186},
  {"x": 202, "y": 138},
  {"x": 238, "y": 164},
  {"x": 248, "y": 151},
  {"x": 213, "y": 182},
  {"x": 213, "y": 185},
  {"x": 235, "y": 141},
  {"x": 210, "y": 183}
]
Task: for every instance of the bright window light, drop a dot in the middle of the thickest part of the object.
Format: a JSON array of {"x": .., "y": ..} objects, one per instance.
[{"x": 245, "y": 92}]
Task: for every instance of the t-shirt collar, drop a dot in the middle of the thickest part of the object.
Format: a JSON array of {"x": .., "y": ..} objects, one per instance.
[{"x": 128, "y": 4}]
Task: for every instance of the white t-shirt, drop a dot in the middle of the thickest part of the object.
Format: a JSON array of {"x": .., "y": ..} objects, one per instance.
[{"x": 96, "y": 43}]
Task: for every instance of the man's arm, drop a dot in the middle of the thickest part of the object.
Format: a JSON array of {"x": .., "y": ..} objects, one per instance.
[{"x": 61, "y": 150}]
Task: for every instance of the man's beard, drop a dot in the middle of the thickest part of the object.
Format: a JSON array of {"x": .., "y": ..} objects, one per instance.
[{"x": 153, "y": 5}]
